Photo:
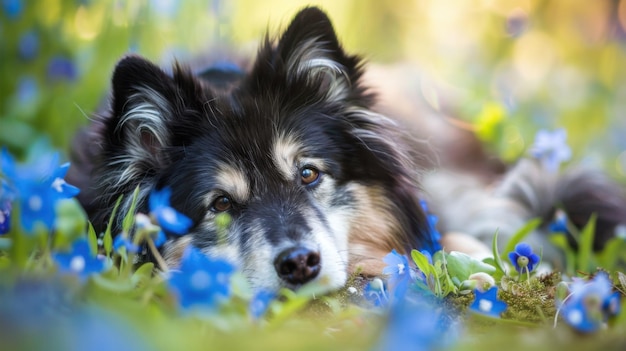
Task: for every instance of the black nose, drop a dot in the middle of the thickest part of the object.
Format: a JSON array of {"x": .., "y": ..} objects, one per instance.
[{"x": 297, "y": 265}]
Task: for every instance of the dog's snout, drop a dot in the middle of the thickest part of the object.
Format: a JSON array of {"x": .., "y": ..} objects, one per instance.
[{"x": 298, "y": 265}]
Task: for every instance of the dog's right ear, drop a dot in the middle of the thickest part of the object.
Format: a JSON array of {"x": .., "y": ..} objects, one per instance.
[{"x": 145, "y": 102}]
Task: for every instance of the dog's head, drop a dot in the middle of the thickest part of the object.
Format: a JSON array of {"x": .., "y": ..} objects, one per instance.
[{"x": 291, "y": 155}]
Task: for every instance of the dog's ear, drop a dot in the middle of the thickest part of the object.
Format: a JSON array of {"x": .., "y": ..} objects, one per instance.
[
  {"x": 145, "y": 104},
  {"x": 308, "y": 54},
  {"x": 143, "y": 101}
]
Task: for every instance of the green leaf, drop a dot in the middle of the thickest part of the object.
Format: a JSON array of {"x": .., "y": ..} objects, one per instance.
[
  {"x": 497, "y": 260},
  {"x": 560, "y": 240},
  {"x": 585, "y": 247},
  {"x": 521, "y": 234},
  {"x": 129, "y": 217},
  {"x": 143, "y": 273},
  {"x": 107, "y": 240},
  {"x": 461, "y": 266},
  {"x": 117, "y": 286},
  {"x": 445, "y": 281},
  {"x": 421, "y": 261},
  {"x": 609, "y": 257},
  {"x": 92, "y": 237},
  {"x": 292, "y": 303}
]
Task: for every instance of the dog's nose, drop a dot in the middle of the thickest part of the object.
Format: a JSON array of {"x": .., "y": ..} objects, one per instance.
[{"x": 297, "y": 265}]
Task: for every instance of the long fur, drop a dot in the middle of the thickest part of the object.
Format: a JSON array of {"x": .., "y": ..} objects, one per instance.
[
  {"x": 301, "y": 104},
  {"x": 248, "y": 137}
]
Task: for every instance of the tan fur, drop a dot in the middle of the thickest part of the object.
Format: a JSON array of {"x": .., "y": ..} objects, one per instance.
[
  {"x": 173, "y": 251},
  {"x": 285, "y": 153},
  {"x": 233, "y": 181},
  {"x": 372, "y": 234}
]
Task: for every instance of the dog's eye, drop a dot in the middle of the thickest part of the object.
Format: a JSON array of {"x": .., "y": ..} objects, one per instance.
[
  {"x": 309, "y": 176},
  {"x": 221, "y": 204}
]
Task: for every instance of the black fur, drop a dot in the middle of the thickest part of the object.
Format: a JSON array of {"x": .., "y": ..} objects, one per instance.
[{"x": 303, "y": 85}]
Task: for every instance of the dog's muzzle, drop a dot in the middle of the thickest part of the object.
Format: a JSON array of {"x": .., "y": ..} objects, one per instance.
[{"x": 298, "y": 265}]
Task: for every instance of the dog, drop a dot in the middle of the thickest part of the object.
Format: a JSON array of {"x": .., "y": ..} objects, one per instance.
[{"x": 316, "y": 183}]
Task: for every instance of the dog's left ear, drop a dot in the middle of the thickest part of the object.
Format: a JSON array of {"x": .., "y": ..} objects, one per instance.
[{"x": 308, "y": 54}]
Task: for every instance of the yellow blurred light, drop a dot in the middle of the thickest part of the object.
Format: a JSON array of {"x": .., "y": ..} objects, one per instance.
[
  {"x": 50, "y": 12},
  {"x": 88, "y": 23},
  {"x": 534, "y": 56},
  {"x": 488, "y": 121}
]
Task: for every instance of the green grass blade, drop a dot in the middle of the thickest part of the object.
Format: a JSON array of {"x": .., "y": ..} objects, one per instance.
[
  {"x": 107, "y": 240},
  {"x": 585, "y": 246},
  {"x": 497, "y": 260},
  {"x": 129, "y": 217},
  {"x": 92, "y": 237}
]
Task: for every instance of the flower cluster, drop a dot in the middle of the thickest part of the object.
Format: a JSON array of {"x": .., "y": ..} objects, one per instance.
[
  {"x": 590, "y": 304},
  {"x": 416, "y": 326},
  {"x": 79, "y": 260},
  {"x": 201, "y": 280},
  {"x": 37, "y": 186},
  {"x": 163, "y": 218}
]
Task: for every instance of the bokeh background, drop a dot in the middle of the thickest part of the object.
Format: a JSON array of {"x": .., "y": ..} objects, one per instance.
[{"x": 509, "y": 67}]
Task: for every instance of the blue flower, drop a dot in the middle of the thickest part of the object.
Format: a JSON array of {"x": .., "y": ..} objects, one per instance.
[
  {"x": 523, "y": 258},
  {"x": 5, "y": 217},
  {"x": 167, "y": 217},
  {"x": 375, "y": 294},
  {"x": 551, "y": 149},
  {"x": 435, "y": 237},
  {"x": 12, "y": 8},
  {"x": 79, "y": 260},
  {"x": 160, "y": 239},
  {"x": 260, "y": 303},
  {"x": 6, "y": 197},
  {"x": 38, "y": 186},
  {"x": 122, "y": 241},
  {"x": 61, "y": 68},
  {"x": 398, "y": 271},
  {"x": 415, "y": 326},
  {"x": 62, "y": 188},
  {"x": 559, "y": 224},
  {"x": 28, "y": 46},
  {"x": 201, "y": 281},
  {"x": 590, "y": 304},
  {"x": 487, "y": 303}
]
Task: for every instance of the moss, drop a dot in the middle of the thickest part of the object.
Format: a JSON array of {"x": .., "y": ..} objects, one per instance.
[{"x": 531, "y": 300}]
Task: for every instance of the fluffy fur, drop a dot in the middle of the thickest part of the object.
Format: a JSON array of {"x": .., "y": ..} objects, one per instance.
[
  {"x": 315, "y": 182},
  {"x": 301, "y": 108}
]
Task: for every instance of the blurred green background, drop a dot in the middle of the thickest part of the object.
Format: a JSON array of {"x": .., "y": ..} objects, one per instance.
[{"x": 514, "y": 66}]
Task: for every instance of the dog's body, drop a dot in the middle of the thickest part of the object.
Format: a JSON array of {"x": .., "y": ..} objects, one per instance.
[{"x": 316, "y": 184}]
